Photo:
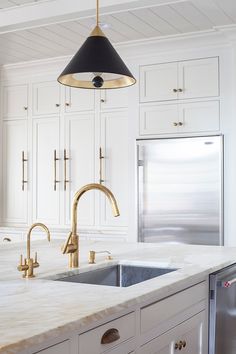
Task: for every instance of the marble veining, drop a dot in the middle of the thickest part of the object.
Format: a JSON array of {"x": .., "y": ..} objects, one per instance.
[{"x": 35, "y": 310}]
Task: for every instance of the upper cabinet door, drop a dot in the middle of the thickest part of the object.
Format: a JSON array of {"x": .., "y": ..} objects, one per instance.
[
  {"x": 159, "y": 82},
  {"x": 15, "y": 101},
  {"x": 79, "y": 100},
  {"x": 46, "y": 98},
  {"x": 199, "y": 78},
  {"x": 116, "y": 98},
  {"x": 15, "y": 172}
]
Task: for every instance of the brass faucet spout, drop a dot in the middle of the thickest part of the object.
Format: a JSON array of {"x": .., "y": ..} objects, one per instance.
[
  {"x": 71, "y": 245},
  {"x": 29, "y": 234}
]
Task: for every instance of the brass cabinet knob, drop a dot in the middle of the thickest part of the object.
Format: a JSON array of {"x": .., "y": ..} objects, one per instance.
[
  {"x": 110, "y": 336},
  {"x": 180, "y": 90},
  {"x": 57, "y": 105},
  {"x": 67, "y": 104},
  {"x": 180, "y": 124},
  {"x": 175, "y": 124},
  {"x": 175, "y": 90},
  {"x": 25, "y": 108},
  {"x": 181, "y": 344},
  {"x": 102, "y": 100}
]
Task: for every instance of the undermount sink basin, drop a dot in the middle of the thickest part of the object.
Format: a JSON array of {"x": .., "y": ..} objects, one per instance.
[{"x": 120, "y": 275}]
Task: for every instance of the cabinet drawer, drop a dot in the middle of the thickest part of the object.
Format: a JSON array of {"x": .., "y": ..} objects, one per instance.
[
  {"x": 90, "y": 342},
  {"x": 61, "y": 348},
  {"x": 155, "y": 314}
]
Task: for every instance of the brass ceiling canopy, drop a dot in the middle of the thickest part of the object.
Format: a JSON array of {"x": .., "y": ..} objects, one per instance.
[{"x": 96, "y": 65}]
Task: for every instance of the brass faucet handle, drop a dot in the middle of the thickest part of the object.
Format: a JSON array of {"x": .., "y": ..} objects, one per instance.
[
  {"x": 35, "y": 263},
  {"x": 22, "y": 267}
]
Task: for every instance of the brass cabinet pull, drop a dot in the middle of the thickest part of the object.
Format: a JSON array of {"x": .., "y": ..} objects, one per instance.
[
  {"x": 175, "y": 90},
  {"x": 66, "y": 158},
  {"x": 57, "y": 105},
  {"x": 67, "y": 104},
  {"x": 180, "y": 124},
  {"x": 181, "y": 344},
  {"x": 175, "y": 124},
  {"x": 102, "y": 100},
  {"x": 23, "y": 160},
  {"x": 25, "y": 108},
  {"x": 55, "y": 170},
  {"x": 7, "y": 239},
  {"x": 101, "y": 157},
  {"x": 110, "y": 336},
  {"x": 180, "y": 90}
]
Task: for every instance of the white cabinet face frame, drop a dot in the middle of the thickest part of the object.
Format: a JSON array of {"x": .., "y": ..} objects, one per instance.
[
  {"x": 46, "y": 170},
  {"x": 79, "y": 138},
  {"x": 77, "y": 100},
  {"x": 114, "y": 145},
  {"x": 46, "y": 98},
  {"x": 15, "y": 101},
  {"x": 15, "y": 193}
]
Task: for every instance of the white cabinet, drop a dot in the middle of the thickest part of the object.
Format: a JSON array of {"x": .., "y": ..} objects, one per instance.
[
  {"x": 15, "y": 101},
  {"x": 180, "y": 118},
  {"x": 187, "y": 337},
  {"x": 180, "y": 80},
  {"x": 15, "y": 172},
  {"x": 46, "y": 98},
  {"x": 79, "y": 165},
  {"x": 77, "y": 100},
  {"x": 115, "y": 98},
  {"x": 103, "y": 338},
  {"x": 46, "y": 171},
  {"x": 158, "y": 82},
  {"x": 114, "y": 147},
  {"x": 61, "y": 348}
]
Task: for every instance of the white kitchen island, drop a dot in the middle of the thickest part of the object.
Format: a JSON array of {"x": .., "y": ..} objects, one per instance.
[{"x": 160, "y": 315}]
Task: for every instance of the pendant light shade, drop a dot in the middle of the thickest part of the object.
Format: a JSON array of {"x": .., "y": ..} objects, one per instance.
[{"x": 96, "y": 65}]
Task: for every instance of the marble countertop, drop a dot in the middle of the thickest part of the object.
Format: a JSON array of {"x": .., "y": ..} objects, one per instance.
[{"x": 35, "y": 310}]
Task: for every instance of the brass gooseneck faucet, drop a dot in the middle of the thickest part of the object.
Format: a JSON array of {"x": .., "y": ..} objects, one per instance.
[
  {"x": 29, "y": 263},
  {"x": 71, "y": 245}
]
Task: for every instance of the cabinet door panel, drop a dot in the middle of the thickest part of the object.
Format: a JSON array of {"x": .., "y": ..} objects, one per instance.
[
  {"x": 46, "y": 170},
  {"x": 161, "y": 119},
  {"x": 191, "y": 332},
  {"x": 200, "y": 116},
  {"x": 117, "y": 98},
  {"x": 15, "y": 101},
  {"x": 14, "y": 198},
  {"x": 114, "y": 143},
  {"x": 46, "y": 98},
  {"x": 80, "y": 150},
  {"x": 79, "y": 100},
  {"x": 199, "y": 78},
  {"x": 158, "y": 82}
]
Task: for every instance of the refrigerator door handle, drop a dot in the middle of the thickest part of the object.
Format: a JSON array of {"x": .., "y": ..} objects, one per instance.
[{"x": 227, "y": 283}]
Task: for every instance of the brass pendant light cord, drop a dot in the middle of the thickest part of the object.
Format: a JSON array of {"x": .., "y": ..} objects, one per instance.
[{"x": 97, "y": 14}]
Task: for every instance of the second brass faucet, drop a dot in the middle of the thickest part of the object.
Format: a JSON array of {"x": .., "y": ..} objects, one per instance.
[{"x": 71, "y": 245}]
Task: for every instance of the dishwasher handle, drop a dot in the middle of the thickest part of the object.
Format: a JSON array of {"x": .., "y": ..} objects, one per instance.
[{"x": 228, "y": 283}]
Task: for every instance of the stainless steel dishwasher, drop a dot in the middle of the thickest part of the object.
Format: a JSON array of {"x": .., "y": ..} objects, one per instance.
[{"x": 222, "y": 330}]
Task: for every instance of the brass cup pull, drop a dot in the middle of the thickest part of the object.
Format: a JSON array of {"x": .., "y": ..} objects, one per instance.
[
  {"x": 175, "y": 90},
  {"x": 7, "y": 239},
  {"x": 110, "y": 336}
]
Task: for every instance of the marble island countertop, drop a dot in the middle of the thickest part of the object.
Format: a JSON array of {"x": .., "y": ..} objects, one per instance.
[{"x": 35, "y": 310}]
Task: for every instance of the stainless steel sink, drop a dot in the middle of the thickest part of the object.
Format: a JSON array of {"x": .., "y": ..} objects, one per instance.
[{"x": 118, "y": 275}]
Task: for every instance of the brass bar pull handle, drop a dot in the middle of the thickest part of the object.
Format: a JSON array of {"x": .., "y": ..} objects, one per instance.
[
  {"x": 23, "y": 160},
  {"x": 55, "y": 170},
  {"x": 66, "y": 158},
  {"x": 110, "y": 336},
  {"x": 101, "y": 157}
]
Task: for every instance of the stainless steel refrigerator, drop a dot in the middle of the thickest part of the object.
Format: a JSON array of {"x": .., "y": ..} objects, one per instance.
[{"x": 180, "y": 190}]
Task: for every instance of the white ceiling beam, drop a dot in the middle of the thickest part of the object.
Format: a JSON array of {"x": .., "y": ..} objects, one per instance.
[{"x": 42, "y": 13}]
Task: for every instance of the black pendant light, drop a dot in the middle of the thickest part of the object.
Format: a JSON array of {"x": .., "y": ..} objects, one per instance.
[{"x": 96, "y": 65}]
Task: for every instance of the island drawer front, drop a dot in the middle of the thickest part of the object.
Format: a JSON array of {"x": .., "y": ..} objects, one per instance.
[
  {"x": 61, "y": 348},
  {"x": 90, "y": 342},
  {"x": 160, "y": 312}
]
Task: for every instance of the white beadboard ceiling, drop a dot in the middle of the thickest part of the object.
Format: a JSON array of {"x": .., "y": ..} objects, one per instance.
[{"x": 59, "y": 38}]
